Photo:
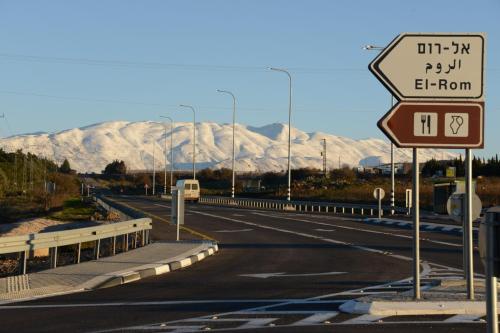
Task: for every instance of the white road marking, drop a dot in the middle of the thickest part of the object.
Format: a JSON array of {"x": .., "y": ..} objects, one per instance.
[
  {"x": 256, "y": 323},
  {"x": 328, "y": 240},
  {"x": 268, "y": 275},
  {"x": 462, "y": 318},
  {"x": 315, "y": 319},
  {"x": 235, "y": 230},
  {"x": 325, "y": 230},
  {"x": 358, "y": 229},
  {"x": 364, "y": 319},
  {"x": 152, "y": 303}
]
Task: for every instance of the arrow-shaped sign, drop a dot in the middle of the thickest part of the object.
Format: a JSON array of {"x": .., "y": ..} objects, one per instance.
[
  {"x": 268, "y": 275},
  {"x": 437, "y": 125},
  {"x": 433, "y": 66}
]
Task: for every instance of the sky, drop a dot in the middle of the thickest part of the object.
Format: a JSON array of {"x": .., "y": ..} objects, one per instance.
[{"x": 66, "y": 64}]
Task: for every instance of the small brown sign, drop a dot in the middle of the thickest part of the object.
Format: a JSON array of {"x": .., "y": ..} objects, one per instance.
[{"x": 436, "y": 125}]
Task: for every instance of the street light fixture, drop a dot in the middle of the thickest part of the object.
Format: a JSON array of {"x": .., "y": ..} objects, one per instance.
[
  {"x": 171, "y": 154},
  {"x": 289, "y": 127},
  {"x": 194, "y": 137},
  {"x": 234, "y": 119},
  {"x": 370, "y": 47}
]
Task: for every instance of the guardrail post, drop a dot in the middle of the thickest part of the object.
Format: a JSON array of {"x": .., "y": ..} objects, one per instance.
[
  {"x": 143, "y": 233},
  {"x": 371, "y": 212},
  {"x": 125, "y": 242},
  {"x": 53, "y": 257},
  {"x": 334, "y": 209},
  {"x": 113, "y": 246},
  {"x": 352, "y": 210},
  {"x": 362, "y": 211},
  {"x": 78, "y": 253},
  {"x": 97, "y": 246},
  {"x": 23, "y": 262}
]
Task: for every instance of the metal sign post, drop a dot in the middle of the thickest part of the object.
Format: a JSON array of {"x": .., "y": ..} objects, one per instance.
[
  {"x": 438, "y": 80},
  {"x": 469, "y": 273},
  {"x": 416, "y": 225}
]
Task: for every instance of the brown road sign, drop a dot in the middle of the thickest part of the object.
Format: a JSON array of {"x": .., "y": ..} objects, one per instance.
[
  {"x": 433, "y": 66},
  {"x": 437, "y": 125}
]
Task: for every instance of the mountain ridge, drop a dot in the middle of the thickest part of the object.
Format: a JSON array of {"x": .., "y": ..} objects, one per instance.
[{"x": 89, "y": 148}]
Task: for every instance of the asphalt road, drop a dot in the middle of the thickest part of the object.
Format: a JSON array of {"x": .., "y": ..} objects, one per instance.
[{"x": 275, "y": 271}]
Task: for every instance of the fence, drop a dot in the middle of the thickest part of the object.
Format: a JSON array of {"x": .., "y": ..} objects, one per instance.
[{"x": 301, "y": 206}]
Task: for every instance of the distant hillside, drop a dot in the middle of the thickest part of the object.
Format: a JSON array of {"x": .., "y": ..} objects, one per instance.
[{"x": 90, "y": 148}]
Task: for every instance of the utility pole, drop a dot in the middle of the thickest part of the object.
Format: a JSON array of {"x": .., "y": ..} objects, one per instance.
[
  {"x": 154, "y": 170},
  {"x": 324, "y": 157},
  {"x": 171, "y": 153}
]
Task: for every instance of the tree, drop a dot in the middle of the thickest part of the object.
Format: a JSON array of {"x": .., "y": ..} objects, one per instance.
[
  {"x": 65, "y": 167},
  {"x": 115, "y": 168}
]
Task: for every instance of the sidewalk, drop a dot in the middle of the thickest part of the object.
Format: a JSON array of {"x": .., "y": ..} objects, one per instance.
[{"x": 154, "y": 259}]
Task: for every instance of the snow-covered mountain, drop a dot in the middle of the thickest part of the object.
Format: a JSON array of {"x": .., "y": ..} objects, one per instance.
[{"x": 264, "y": 148}]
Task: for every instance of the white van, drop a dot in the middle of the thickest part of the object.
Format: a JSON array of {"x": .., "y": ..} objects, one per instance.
[{"x": 191, "y": 189}]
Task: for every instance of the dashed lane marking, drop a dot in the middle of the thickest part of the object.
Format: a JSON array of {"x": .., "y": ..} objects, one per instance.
[
  {"x": 358, "y": 229},
  {"x": 235, "y": 230}
]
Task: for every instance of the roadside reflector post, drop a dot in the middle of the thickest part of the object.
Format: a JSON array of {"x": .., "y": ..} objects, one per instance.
[
  {"x": 177, "y": 209},
  {"x": 378, "y": 194}
]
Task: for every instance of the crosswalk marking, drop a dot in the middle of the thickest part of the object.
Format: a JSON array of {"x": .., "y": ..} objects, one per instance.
[
  {"x": 462, "y": 318},
  {"x": 363, "y": 319},
  {"x": 315, "y": 319}
]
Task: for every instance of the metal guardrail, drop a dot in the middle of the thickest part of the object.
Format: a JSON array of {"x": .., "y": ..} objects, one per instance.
[
  {"x": 53, "y": 240},
  {"x": 301, "y": 206}
]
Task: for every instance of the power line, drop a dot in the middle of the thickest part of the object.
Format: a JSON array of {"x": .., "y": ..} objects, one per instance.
[
  {"x": 159, "y": 105},
  {"x": 158, "y": 65}
]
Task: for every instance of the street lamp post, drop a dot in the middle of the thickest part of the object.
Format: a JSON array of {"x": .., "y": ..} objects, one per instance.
[
  {"x": 380, "y": 48},
  {"x": 194, "y": 137},
  {"x": 289, "y": 127},
  {"x": 154, "y": 169},
  {"x": 171, "y": 154},
  {"x": 234, "y": 120}
]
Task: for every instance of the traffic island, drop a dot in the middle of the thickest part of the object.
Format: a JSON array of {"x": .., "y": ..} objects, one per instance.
[
  {"x": 444, "y": 297},
  {"x": 153, "y": 259}
]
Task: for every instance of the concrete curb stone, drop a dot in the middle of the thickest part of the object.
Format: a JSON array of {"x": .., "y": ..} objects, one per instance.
[{"x": 154, "y": 271}]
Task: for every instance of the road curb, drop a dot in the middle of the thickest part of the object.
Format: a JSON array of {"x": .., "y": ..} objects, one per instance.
[
  {"x": 447, "y": 229},
  {"x": 413, "y": 308},
  {"x": 132, "y": 276}
]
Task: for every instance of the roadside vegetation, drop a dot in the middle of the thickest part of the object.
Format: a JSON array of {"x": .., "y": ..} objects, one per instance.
[
  {"x": 340, "y": 185},
  {"x": 33, "y": 186}
]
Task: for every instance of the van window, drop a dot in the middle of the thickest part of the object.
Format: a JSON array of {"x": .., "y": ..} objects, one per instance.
[
  {"x": 187, "y": 186},
  {"x": 195, "y": 187}
]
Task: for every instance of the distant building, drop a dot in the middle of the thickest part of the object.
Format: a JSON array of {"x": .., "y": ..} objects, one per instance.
[
  {"x": 251, "y": 185},
  {"x": 400, "y": 168}
]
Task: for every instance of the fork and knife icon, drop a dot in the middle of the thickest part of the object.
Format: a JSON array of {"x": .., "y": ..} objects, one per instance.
[{"x": 426, "y": 119}]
